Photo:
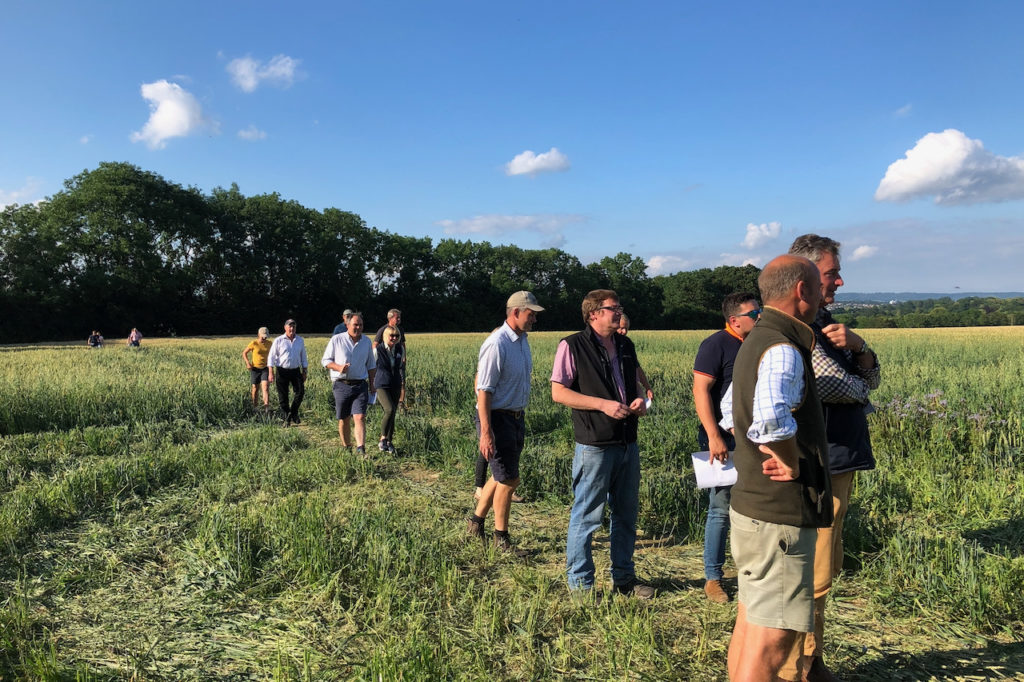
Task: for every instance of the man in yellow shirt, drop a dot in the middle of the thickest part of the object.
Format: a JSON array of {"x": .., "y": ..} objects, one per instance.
[{"x": 258, "y": 372}]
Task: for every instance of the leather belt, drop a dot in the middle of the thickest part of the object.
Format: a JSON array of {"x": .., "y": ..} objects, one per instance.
[
  {"x": 351, "y": 382},
  {"x": 515, "y": 413}
]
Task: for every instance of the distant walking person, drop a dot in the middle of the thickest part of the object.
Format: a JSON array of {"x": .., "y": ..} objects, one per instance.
[
  {"x": 95, "y": 340},
  {"x": 255, "y": 357},
  {"x": 503, "y": 372},
  {"x": 596, "y": 373},
  {"x": 288, "y": 367},
  {"x": 845, "y": 371},
  {"x": 342, "y": 326},
  {"x": 783, "y": 486},
  {"x": 134, "y": 338},
  {"x": 712, "y": 375},
  {"x": 388, "y": 383},
  {"x": 349, "y": 357},
  {"x": 394, "y": 320}
]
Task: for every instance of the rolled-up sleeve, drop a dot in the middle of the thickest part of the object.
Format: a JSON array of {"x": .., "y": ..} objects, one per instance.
[{"x": 779, "y": 390}]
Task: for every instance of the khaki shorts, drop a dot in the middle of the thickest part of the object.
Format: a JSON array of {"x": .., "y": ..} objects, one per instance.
[{"x": 776, "y": 572}]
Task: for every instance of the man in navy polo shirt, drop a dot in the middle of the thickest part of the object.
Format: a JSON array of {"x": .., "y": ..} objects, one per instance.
[{"x": 712, "y": 374}]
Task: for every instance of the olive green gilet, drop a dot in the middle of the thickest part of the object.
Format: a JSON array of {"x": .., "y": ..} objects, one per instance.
[{"x": 806, "y": 502}]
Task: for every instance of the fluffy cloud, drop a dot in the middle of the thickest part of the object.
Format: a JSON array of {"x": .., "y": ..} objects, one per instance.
[
  {"x": 26, "y": 194},
  {"x": 174, "y": 112},
  {"x": 248, "y": 73},
  {"x": 759, "y": 235},
  {"x": 252, "y": 133},
  {"x": 740, "y": 259},
  {"x": 903, "y": 111},
  {"x": 529, "y": 163},
  {"x": 863, "y": 251},
  {"x": 496, "y": 225},
  {"x": 955, "y": 170},
  {"x": 666, "y": 265}
]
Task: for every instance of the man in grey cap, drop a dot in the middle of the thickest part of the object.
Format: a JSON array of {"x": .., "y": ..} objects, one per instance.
[
  {"x": 503, "y": 376},
  {"x": 343, "y": 325}
]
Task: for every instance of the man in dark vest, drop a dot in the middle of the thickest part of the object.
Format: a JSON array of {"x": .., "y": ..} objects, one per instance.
[
  {"x": 597, "y": 374},
  {"x": 783, "y": 491},
  {"x": 845, "y": 370}
]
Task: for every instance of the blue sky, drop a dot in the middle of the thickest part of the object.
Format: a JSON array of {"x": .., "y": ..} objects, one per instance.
[{"x": 688, "y": 135}]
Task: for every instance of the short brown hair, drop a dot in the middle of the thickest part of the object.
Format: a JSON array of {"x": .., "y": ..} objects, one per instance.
[
  {"x": 732, "y": 303},
  {"x": 780, "y": 277},
  {"x": 593, "y": 300},
  {"x": 813, "y": 247}
]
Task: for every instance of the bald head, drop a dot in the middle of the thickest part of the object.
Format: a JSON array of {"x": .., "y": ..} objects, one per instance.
[{"x": 793, "y": 285}]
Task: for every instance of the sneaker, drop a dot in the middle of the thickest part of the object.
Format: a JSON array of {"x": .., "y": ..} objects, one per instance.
[
  {"x": 382, "y": 445},
  {"x": 635, "y": 588},
  {"x": 475, "y": 530},
  {"x": 714, "y": 592},
  {"x": 391, "y": 448},
  {"x": 361, "y": 451},
  {"x": 505, "y": 544}
]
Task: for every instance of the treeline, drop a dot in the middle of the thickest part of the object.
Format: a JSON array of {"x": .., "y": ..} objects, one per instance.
[
  {"x": 937, "y": 312},
  {"x": 120, "y": 247}
]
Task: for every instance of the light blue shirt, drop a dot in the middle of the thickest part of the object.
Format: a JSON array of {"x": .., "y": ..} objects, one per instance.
[
  {"x": 288, "y": 353},
  {"x": 779, "y": 391},
  {"x": 504, "y": 369},
  {"x": 341, "y": 349}
]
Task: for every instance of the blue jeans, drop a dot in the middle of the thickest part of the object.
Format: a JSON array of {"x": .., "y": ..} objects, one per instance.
[
  {"x": 603, "y": 474},
  {"x": 716, "y": 528}
]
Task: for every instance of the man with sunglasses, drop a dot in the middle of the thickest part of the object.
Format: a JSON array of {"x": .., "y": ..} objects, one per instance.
[
  {"x": 596, "y": 373},
  {"x": 712, "y": 375}
]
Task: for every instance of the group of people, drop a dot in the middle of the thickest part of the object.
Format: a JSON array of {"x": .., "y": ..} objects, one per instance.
[
  {"x": 96, "y": 340},
  {"x": 361, "y": 372},
  {"x": 782, "y": 390}
]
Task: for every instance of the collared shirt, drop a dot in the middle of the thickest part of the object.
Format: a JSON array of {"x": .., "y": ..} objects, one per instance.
[
  {"x": 504, "y": 369},
  {"x": 359, "y": 354},
  {"x": 288, "y": 353},
  {"x": 779, "y": 391},
  {"x": 564, "y": 369},
  {"x": 835, "y": 384}
]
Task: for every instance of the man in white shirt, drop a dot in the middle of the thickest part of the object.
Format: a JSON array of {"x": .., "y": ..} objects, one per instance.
[
  {"x": 287, "y": 361},
  {"x": 349, "y": 357}
]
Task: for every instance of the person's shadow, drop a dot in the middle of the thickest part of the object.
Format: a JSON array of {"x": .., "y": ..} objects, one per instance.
[
  {"x": 1003, "y": 536},
  {"x": 994, "y": 662}
]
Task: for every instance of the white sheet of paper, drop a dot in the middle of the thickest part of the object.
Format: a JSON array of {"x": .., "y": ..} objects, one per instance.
[
  {"x": 372, "y": 399},
  {"x": 714, "y": 474}
]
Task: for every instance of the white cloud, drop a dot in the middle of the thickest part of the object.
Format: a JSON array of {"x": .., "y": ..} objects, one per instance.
[
  {"x": 528, "y": 163},
  {"x": 248, "y": 73},
  {"x": 863, "y": 251},
  {"x": 955, "y": 170},
  {"x": 174, "y": 112},
  {"x": 666, "y": 265},
  {"x": 85, "y": 139},
  {"x": 252, "y": 133},
  {"x": 26, "y": 194},
  {"x": 903, "y": 111},
  {"x": 494, "y": 225},
  {"x": 740, "y": 259},
  {"x": 759, "y": 235}
]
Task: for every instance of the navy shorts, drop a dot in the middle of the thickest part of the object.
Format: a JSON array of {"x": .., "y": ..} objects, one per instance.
[
  {"x": 509, "y": 437},
  {"x": 258, "y": 375},
  {"x": 350, "y": 399}
]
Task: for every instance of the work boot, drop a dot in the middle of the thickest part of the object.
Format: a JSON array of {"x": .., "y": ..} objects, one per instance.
[
  {"x": 505, "y": 544},
  {"x": 636, "y": 589},
  {"x": 475, "y": 529},
  {"x": 817, "y": 672},
  {"x": 714, "y": 592}
]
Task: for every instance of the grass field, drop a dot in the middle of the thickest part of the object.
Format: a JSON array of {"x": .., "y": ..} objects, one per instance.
[{"x": 152, "y": 526}]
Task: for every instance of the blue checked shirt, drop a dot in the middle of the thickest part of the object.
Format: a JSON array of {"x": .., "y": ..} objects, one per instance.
[
  {"x": 504, "y": 369},
  {"x": 779, "y": 391}
]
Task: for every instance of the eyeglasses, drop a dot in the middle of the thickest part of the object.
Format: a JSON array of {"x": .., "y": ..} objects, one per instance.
[
  {"x": 389, "y": 337},
  {"x": 617, "y": 309},
  {"x": 752, "y": 314}
]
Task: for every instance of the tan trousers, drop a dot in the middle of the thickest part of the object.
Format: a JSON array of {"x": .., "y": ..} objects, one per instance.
[{"x": 828, "y": 563}]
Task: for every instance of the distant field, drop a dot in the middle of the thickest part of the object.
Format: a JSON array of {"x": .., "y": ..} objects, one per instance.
[{"x": 153, "y": 527}]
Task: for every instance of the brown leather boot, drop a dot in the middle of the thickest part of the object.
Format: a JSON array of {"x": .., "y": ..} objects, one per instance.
[{"x": 714, "y": 592}]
